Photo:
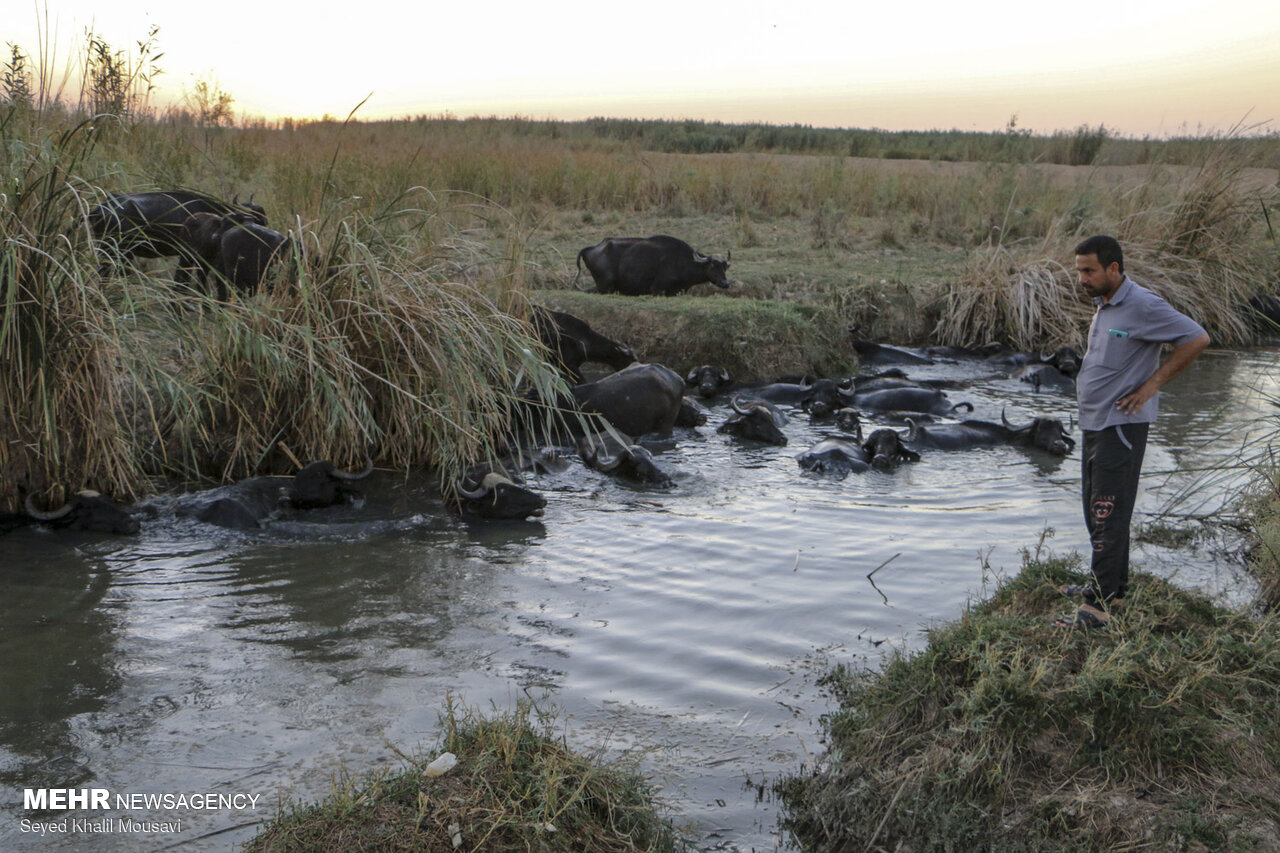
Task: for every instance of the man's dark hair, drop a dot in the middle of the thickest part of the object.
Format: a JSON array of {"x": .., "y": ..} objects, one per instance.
[{"x": 1106, "y": 248}]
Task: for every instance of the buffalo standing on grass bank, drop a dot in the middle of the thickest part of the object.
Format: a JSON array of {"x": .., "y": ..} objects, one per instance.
[
  {"x": 233, "y": 250},
  {"x": 150, "y": 224},
  {"x": 650, "y": 266}
]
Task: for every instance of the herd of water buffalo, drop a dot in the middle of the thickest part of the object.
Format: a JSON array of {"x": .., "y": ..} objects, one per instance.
[
  {"x": 223, "y": 242},
  {"x": 599, "y": 421}
]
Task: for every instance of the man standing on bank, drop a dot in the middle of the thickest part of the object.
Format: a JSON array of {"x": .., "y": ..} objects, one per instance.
[{"x": 1116, "y": 390}]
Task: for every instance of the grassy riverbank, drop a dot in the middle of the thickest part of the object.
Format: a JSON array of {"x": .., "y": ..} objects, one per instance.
[
  {"x": 1161, "y": 732},
  {"x": 515, "y": 786}
]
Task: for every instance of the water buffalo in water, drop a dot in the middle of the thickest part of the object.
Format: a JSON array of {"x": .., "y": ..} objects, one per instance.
[
  {"x": 245, "y": 505},
  {"x": 1045, "y": 433},
  {"x": 573, "y": 342},
  {"x": 233, "y": 250},
  {"x": 691, "y": 414},
  {"x": 86, "y": 510},
  {"x": 150, "y": 224},
  {"x": 755, "y": 420},
  {"x": 928, "y": 400},
  {"x": 650, "y": 266},
  {"x": 637, "y": 400},
  {"x": 870, "y": 352},
  {"x": 620, "y": 456},
  {"x": 488, "y": 493},
  {"x": 1043, "y": 376},
  {"x": 882, "y": 449},
  {"x": 708, "y": 380}
]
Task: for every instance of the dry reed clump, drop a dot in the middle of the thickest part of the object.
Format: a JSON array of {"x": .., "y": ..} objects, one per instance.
[
  {"x": 1014, "y": 295},
  {"x": 356, "y": 353},
  {"x": 62, "y": 412}
]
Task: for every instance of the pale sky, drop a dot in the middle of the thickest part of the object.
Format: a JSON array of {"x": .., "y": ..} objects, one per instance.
[{"x": 1140, "y": 67}]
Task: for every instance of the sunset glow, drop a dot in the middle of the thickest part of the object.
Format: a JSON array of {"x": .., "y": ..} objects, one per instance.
[{"x": 1139, "y": 68}]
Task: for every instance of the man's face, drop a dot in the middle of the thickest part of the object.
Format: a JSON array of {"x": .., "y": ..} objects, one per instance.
[{"x": 1098, "y": 281}]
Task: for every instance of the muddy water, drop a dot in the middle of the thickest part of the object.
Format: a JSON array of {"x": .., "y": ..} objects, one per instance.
[{"x": 692, "y": 623}]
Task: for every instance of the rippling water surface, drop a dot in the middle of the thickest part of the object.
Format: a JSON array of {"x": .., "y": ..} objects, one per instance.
[{"x": 691, "y": 623}]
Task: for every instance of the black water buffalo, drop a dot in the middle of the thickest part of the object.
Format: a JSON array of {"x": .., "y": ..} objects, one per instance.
[
  {"x": 1045, "y": 433},
  {"x": 233, "y": 250},
  {"x": 246, "y": 504},
  {"x": 824, "y": 397},
  {"x": 637, "y": 400},
  {"x": 870, "y": 352},
  {"x": 86, "y": 510},
  {"x": 928, "y": 400},
  {"x": 708, "y": 380},
  {"x": 691, "y": 414},
  {"x": 650, "y": 266},
  {"x": 620, "y": 456},
  {"x": 1265, "y": 312},
  {"x": 322, "y": 484},
  {"x": 1043, "y": 376},
  {"x": 849, "y": 420},
  {"x": 573, "y": 342},
  {"x": 883, "y": 449},
  {"x": 488, "y": 493},
  {"x": 755, "y": 420},
  {"x": 777, "y": 393},
  {"x": 150, "y": 224}
]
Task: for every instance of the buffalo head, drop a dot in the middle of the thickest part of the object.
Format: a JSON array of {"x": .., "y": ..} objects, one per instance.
[
  {"x": 85, "y": 510},
  {"x": 320, "y": 484},
  {"x": 498, "y": 497},
  {"x": 1045, "y": 433},
  {"x": 884, "y": 449},
  {"x": 756, "y": 420},
  {"x": 610, "y": 455},
  {"x": 708, "y": 380}
]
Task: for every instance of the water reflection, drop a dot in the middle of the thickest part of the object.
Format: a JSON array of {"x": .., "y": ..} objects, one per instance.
[
  {"x": 57, "y": 658},
  {"x": 692, "y": 621}
]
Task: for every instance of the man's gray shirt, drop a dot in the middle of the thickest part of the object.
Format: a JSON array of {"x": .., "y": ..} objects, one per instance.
[{"x": 1125, "y": 340}]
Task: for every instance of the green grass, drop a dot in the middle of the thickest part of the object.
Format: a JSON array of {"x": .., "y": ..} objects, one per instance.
[
  {"x": 1161, "y": 732},
  {"x": 516, "y": 786}
]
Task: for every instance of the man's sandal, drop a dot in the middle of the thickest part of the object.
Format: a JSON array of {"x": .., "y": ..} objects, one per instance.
[{"x": 1083, "y": 620}]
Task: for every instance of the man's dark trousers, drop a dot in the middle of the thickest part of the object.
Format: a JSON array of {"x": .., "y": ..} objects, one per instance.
[{"x": 1112, "y": 461}]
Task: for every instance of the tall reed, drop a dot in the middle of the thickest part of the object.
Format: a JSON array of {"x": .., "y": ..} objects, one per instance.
[{"x": 63, "y": 423}]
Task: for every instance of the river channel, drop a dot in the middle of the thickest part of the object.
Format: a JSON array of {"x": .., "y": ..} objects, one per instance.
[{"x": 691, "y": 624}]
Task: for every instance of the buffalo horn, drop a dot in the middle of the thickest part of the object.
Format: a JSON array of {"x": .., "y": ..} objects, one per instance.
[
  {"x": 51, "y": 515},
  {"x": 490, "y": 480},
  {"x": 605, "y": 463},
  {"x": 736, "y": 402},
  {"x": 474, "y": 494},
  {"x": 355, "y": 475},
  {"x": 1004, "y": 420},
  {"x": 914, "y": 432}
]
